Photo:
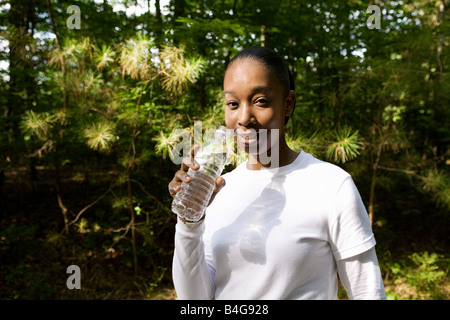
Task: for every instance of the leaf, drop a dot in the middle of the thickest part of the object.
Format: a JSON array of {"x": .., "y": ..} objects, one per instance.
[
  {"x": 177, "y": 70},
  {"x": 437, "y": 183},
  {"x": 100, "y": 136},
  {"x": 138, "y": 210},
  {"x": 38, "y": 124},
  {"x": 136, "y": 58},
  {"x": 346, "y": 148},
  {"x": 104, "y": 57}
]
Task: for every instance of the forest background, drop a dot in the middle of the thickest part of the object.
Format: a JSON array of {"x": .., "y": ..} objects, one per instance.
[{"x": 92, "y": 98}]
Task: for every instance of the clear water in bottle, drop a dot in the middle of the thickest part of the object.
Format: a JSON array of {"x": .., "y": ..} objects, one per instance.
[{"x": 193, "y": 198}]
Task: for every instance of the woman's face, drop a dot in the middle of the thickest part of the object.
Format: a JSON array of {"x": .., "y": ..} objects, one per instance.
[{"x": 255, "y": 100}]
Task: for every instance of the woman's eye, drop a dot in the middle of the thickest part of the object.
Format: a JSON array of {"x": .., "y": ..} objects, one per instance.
[
  {"x": 261, "y": 101},
  {"x": 232, "y": 104}
]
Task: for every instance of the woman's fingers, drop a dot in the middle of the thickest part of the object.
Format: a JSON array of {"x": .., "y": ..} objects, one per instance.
[
  {"x": 175, "y": 185},
  {"x": 189, "y": 162},
  {"x": 181, "y": 175},
  {"x": 174, "y": 189},
  {"x": 220, "y": 183}
]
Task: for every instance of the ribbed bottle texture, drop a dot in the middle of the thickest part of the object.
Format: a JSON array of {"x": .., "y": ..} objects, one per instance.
[{"x": 193, "y": 198}]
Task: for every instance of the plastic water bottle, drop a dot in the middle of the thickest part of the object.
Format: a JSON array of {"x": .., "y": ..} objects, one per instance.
[{"x": 191, "y": 201}]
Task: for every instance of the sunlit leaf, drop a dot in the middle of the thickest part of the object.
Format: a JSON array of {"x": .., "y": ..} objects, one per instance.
[
  {"x": 346, "y": 148},
  {"x": 178, "y": 71},
  {"x": 100, "y": 136},
  {"x": 38, "y": 124},
  {"x": 104, "y": 57},
  {"x": 136, "y": 58}
]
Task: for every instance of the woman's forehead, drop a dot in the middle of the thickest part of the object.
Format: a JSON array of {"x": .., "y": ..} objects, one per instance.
[{"x": 248, "y": 74}]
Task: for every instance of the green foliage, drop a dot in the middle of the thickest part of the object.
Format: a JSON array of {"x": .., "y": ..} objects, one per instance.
[
  {"x": 136, "y": 58},
  {"x": 179, "y": 71},
  {"x": 37, "y": 124},
  {"x": 426, "y": 278},
  {"x": 100, "y": 136},
  {"x": 346, "y": 148},
  {"x": 438, "y": 185}
]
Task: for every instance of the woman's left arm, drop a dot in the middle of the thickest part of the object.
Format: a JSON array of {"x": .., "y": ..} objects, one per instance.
[{"x": 361, "y": 276}]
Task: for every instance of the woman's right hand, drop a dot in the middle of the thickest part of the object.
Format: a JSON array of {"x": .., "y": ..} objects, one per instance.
[{"x": 181, "y": 175}]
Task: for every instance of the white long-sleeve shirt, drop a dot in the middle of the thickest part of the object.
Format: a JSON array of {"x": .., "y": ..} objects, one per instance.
[{"x": 281, "y": 233}]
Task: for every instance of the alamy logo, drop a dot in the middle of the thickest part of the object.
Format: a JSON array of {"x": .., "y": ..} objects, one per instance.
[
  {"x": 74, "y": 281},
  {"x": 256, "y": 143},
  {"x": 74, "y": 21},
  {"x": 374, "y": 21}
]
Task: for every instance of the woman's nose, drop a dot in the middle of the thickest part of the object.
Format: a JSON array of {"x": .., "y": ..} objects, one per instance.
[{"x": 245, "y": 117}]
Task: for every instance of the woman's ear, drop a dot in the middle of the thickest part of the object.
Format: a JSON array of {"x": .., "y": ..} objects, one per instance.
[{"x": 290, "y": 103}]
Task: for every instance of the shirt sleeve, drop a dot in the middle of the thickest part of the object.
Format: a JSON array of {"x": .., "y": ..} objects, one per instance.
[
  {"x": 361, "y": 277},
  {"x": 350, "y": 232},
  {"x": 192, "y": 274}
]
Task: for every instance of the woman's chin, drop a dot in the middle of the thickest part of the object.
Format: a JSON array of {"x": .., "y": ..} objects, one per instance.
[{"x": 253, "y": 149}]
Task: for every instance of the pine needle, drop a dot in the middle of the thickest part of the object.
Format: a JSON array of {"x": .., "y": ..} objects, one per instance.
[
  {"x": 346, "y": 148},
  {"x": 100, "y": 136}
]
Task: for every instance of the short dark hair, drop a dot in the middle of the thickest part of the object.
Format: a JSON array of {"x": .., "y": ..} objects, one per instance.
[{"x": 273, "y": 61}]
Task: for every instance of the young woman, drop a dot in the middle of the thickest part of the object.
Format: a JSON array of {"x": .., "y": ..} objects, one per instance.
[{"x": 279, "y": 231}]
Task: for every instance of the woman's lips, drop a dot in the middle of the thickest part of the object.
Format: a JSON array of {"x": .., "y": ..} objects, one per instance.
[{"x": 247, "y": 138}]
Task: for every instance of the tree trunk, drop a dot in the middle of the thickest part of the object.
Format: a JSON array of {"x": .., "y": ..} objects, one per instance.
[
  {"x": 132, "y": 222},
  {"x": 64, "y": 210},
  {"x": 179, "y": 11},
  {"x": 373, "y": 183},
  {"x": 21, "y": 18}
]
